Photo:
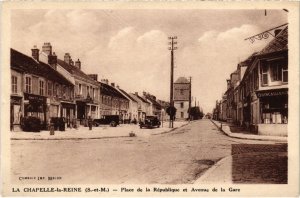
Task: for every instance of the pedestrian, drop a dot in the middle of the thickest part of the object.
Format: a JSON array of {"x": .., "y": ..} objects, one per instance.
[{"x": 90, "y": 123}]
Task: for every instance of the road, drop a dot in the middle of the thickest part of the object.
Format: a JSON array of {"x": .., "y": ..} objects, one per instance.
[{"x": 178, "y": 157}]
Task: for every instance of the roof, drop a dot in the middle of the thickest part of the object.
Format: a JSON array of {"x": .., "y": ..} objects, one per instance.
[
  {"x": 24, "y": 63},
  {"x": 182, "y": 80},
  {"x": 137, "y": 97},
  {"x": 125, "y": 93},
  {"x": 279, "y": 43},
  {"x": 106, "y": 89},
  {"x": 75, "y": 71},
  {"x": 154, "y": 102}
]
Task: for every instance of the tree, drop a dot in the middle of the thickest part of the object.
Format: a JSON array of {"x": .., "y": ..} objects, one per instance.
[{"x": 171, "y": 111}]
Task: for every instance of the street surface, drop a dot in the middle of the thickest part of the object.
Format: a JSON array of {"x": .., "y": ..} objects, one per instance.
[{"x": 177, "y": 157}]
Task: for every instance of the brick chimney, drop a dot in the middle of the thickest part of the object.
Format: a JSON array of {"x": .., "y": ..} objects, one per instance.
[
  {"x": 71, "y": 62},
  {"x": 118, "y": 87},
  {"x": 67, "y": 58},
  {"x": 47, "y": 48},
  {"x": 78, "y": 64},
  {"x": 113, "y": 84},
  {"x": 52, "y": 60},
  {"x": 136, "y": 93},
  {"x": 35, "y": 53}
]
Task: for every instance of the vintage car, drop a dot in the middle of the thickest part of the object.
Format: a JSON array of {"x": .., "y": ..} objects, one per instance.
[
  {"x": 150, "y": 122},
  {"x": 112, "y": 120}
]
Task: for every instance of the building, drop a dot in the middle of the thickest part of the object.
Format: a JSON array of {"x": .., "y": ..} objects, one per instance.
[
  {"x": 133, "y": 106},
  {"x": 143, "y": 106},
  {"x": 182, "y": 91},
  {"x": 155, "y": 106},
  {"x": 87, "y": 91},
  {"x": 266, "y": 87},
  {"x": 37, "y": 89},
  {"x": 113, "y": 102}
]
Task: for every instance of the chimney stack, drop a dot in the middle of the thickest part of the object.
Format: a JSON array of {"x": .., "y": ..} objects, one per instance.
[
  {"x": 52, "y": 60},
  {"x": 136, "y": 93},
  {"x": 113, "y": 84},
  {"x": 78, "y": 64},
  {"x": 35, "y": 53},
  {"x": 118, "y": 87},
  {"x": 67, "y": 58},
  {"x": 47, "y": 49},
  {"x": 94, "y": 77},
  {"x": 228, "y": 83}
]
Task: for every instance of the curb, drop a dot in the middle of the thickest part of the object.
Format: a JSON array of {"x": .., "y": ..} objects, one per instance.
[
  {"x": 254, "y": 137},
  {"x": 89, "y": 138},
  {"x": 207, "y": 173}
]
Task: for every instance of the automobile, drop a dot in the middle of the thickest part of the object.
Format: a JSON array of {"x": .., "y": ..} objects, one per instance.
[
  {"x": 150, "y": 122},
  {"x": 112, "y": 120}
]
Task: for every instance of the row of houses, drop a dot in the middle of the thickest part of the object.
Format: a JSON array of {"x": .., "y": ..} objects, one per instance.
[
  {"x": 44, "y": 86},
  {"x": 257, "y": 91}
]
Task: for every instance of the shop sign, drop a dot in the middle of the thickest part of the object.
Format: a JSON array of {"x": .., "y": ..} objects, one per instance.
[
  {"x": 16, "y": 101},
  {"x": 35, "y": 98},
  {"x": 272, "y": 93}
]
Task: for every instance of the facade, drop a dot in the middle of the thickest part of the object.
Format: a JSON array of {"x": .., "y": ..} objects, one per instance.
[
  {"x": 257, "y": 92},
  {"x": 87, "y": 92},
  {"x": 155, "y": 107},
  {"x": 143, "y": 106},
  {"x": 113, "y": 102},
  {"x": 133, "y": 106},
  {"x": 37, "y": 89},
  {"x": 182, "y": 97}
]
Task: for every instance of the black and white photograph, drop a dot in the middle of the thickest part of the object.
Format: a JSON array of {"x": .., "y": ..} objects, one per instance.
[{"x": 195, "y": 100}]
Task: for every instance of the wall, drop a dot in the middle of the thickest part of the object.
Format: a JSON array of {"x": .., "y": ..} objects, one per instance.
[{"x": 272, "y": 129}]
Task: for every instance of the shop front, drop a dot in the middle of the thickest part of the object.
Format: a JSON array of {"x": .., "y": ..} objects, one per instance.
[
  {"x": 68, "y": 111},
  {"x": 15, "y": 112},
  {"x": 273, "y": 112},
  {"x": 36, "y": 106}
]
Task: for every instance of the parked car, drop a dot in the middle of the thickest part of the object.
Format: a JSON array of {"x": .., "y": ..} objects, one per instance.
[
  {"x": 150, "y": 122},
  {"x": 112, "y": 120}
]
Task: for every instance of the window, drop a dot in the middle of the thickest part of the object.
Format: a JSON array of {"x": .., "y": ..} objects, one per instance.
[
  {"x": 181, "y": 105},
  {"x": 80, "y": 89},
  {"x": 28, "y": 84},
  {"x": 181, "y": 91},
  {"x": 54, "y": 90},
  {"x": 181, "y": 114},
  {"x": 41, "y": 87},
  {"x": 49, "y": 88},
  {"x": 265, "y": 75},
  {"x": 276, "y": 71},
  {"x": 285, "y": 73},
  {"x": 88, "y": 90},
  {"x": 14, "y": 84}
]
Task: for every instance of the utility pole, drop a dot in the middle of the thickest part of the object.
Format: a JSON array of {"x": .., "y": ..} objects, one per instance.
[
  {"x": 195, "y": 101},
  {"x": 172, "y": 48},
  {"x": 190, "y": 98}
]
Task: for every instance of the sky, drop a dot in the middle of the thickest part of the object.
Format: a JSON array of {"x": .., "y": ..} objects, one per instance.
[{"x": 130, "y": 47}]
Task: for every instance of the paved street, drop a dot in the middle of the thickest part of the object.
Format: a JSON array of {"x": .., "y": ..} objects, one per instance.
[{"x": 180, "y": 156}]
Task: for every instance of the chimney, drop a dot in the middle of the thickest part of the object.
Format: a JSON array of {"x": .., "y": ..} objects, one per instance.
[
  {"x": 118, "y": 87},
  {"x": 52, "y": 60},
  {"x": 136, "y": 93},
  {"x": 35, "y": 53},
  {"x": 67, "y": 58},
  {"x": 228, "y": 83},
  {"x": 106, "y": 80},
  {"x": 78, "y": 64},
  {"x": 47, "y": 48},
  {"x": 277, "y": 31},
  {"x": 71, "y": 62},
  {"x": 113, "y": 84}
]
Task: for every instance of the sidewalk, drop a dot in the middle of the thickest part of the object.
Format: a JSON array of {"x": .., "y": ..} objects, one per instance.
[
  {"x": 101, "y": 132},
  {"x": 226, "y": 129}
]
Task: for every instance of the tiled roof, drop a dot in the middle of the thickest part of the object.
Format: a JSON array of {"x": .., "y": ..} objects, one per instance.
[
  {"x": 154, "y": 102},
  {"x": 125, "y": 93},
  {"x": 136, "y": 97},
  {"x": 75, "y": 71},
  {"x": 106, "y": 89},
  {"x": 24, "y": 63},
  {"x": 182, "y": 80},
  {"x": 279, "y": 43}
]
